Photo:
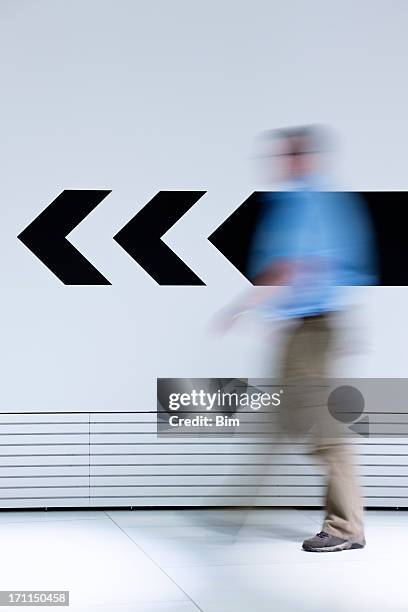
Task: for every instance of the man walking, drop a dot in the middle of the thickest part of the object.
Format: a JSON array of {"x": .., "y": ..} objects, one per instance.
[{"x": 308, "y": 245}]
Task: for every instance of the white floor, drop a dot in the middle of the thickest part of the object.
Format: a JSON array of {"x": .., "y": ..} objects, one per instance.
[{"x": 208, "y": 560}]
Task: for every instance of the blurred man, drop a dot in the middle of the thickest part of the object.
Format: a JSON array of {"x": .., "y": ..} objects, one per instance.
[{"x": 308, "y": 244}]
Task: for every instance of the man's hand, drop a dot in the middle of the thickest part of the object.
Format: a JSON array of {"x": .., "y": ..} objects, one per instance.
[
  {"x": 271, "y": 281},
  {"x": 226, "y": 318}
]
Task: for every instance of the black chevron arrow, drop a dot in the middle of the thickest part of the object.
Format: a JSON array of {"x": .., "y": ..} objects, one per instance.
[
  {"x": 233, "y": 238},
  {"x": 46, "y": 237},
  {"x": 141, "y": 237}
]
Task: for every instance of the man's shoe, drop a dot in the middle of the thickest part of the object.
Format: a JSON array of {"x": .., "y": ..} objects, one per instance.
[{"x": 325, "y": 542}]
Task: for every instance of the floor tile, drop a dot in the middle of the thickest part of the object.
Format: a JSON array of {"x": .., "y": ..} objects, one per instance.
[
  {"x": 93, "y": 559},
  {"x": 167, "y": 606},
  {"x": 173, "y": 552},
  {"x": 338, "y": 587},
  {"x": 221, "y": 560}
]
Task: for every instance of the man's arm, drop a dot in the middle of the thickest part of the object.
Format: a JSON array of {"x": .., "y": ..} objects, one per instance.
[{"x": 272, "y": 279}]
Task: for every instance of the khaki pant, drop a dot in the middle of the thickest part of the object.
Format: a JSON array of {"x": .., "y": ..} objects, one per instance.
[{"x": 304, "y": 368}]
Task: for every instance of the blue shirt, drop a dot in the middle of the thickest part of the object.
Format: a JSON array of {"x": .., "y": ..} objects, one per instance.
[{"x": 326, "y": 236}]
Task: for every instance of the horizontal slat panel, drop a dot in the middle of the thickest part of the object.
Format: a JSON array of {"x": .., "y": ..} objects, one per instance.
[
  {"x": 183, "y": 458},
  {"x": 117, "y": 459},
  {"x": 44, "y": 492},
  {"x": 26, "y": 461},
  {"x": 122, "y": 417},
  {"x": 152, "y": 438},
  {"x": 176, "y": 472},
  {"x": 203, "y": 481},
  {"x": 253, "y": 480},
  {"x": 234, "y": 448},
  {"x": 45, "y": 439},
  {"x": 199, "y": 470},
  {"x": 29, "y": 429},
  {"x": 200, "y": 501},
  {"x": 267, "y": 501},
  {"x": 67, "y": 480},
  {"x": 388, "y": 460},
  {"x": 181, "y": 447},
  {"x": 207, "y": 490},
  {"x": 242, "y": 459},
  {"x": 123, "y": 428},
  {"x": 30, "y": 471},
  {"x": 54, "y": 450},
  {"x": 45, "y": 502},
  {"x": 44, "y": 417},
  {"x": 225, "y": 470}
]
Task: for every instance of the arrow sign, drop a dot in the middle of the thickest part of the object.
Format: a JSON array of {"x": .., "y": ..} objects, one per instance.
[
  {"x": 233, "y": 238},
  {"x": 46, "y": 237},
  {"x": 141, "y": 238}
]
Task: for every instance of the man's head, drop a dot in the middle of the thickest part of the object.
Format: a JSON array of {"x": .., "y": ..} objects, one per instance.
[{"x": 296, "y": 152}]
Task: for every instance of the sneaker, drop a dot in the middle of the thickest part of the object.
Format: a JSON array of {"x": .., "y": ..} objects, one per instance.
[{"x": 325, "y": 542}]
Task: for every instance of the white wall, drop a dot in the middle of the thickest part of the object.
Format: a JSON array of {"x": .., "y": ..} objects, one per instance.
[{"x": 138, "y": 96}]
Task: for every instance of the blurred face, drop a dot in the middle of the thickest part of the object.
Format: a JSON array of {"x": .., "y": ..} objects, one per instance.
[
  {"x": 288, "y": 159},
  {"x": 292, "y": 159}
]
